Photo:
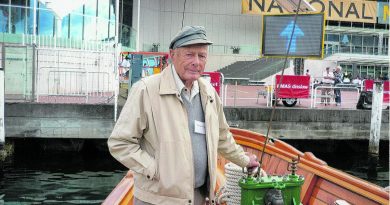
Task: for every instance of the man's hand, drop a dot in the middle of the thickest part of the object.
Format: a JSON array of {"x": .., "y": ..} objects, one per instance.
[
  {"x": 252, "y": 161},
  {"x": 253, "y": 165}
]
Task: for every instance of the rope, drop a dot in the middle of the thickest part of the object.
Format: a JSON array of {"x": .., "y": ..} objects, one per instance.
[{"x": 231, "y": 191}]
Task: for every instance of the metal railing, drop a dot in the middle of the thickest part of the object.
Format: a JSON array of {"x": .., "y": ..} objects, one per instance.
[
  {"x": 241, "y": 95},
  {"x": 93, "y": 87},
  {"x": 328, "y": 97}
]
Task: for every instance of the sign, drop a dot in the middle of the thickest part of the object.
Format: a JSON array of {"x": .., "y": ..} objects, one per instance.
[
  {"x": 290, "y": 36},
  {"x": 369, "y": 85},
  {"x": 340, "y": 10},
  {"x": 306, "y": 35},
  {"x": 293, "y": 86},
  {"x": 215, "y": 80},
  {"x": 383, "y": 12}
]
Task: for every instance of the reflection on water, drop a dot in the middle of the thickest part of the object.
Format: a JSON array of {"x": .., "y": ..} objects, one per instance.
[
  {"x": 37, "y": 177},
  {"x": 349, "y": 156}
]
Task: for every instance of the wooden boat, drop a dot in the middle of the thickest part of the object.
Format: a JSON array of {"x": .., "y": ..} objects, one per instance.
[{"x": 323, "y": 184}]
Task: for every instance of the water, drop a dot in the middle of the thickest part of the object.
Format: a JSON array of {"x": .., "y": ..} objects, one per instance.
[
  {"x": 35, "y": 176},
  {"x": 349, "y": 156}
]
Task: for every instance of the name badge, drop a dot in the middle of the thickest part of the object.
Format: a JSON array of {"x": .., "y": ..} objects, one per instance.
[{"x": 200, "y": 127}]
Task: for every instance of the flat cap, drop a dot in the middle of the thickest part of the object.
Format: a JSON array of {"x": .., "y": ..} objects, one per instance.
[{"x": 190, "y": 35}]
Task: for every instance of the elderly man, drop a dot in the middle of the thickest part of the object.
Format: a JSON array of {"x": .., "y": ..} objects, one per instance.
[
  {"x": 328, "y": 82},
  {"x": 172, "y": 127},
  {"x": 338, "y": 79}
]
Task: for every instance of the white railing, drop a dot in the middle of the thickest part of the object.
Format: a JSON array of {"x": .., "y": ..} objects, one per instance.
[
  {"x": 42, "y": 41},
  {"x": 75, "y": 83},
  {"x": 235, "y": 95},
  {"x": 314, "y": 94}
]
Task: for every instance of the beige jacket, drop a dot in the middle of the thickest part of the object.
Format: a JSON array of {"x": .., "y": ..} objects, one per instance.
[{"x": 151, "y": 137}]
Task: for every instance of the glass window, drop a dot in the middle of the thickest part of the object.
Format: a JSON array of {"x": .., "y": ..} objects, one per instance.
[
  {"x": 103, "y": 9},
  {"x": 112, "y": 20},
  {"x": 357, "y": 40},
  {"x": 363, "y": 71},
  {"x": 45, "y": 21},
  {"x": 125, "y": 35},
  {"x": 368, "y": 40},
  {"x": 112, "y": 29},
  {"x": 102, "y": 32},
  {"x": 333, "y": 37},
  {"x": 76, "y": 24},
  {"x": 4, "y": 15},
  {"x": 90, "y": 28},
  {"x": 346, "y": 68},
  {"x": 65, "y": 27},
  {"x": 371, "y": 71},
  {"x": 18, "y": 23},
  {"x": 385, "y": 46},
  {"x": 103, "y": 19},
  {"x": 90, "y": 20},
  {"x": 90, "y": 8},
  {"x": 30, "y": 16},
  {"x": 18, "y": 14},
  {"x": 357, "y": 49},
  {"x": 385, "y": 71}
]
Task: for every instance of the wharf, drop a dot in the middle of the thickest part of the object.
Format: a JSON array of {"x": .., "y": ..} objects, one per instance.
[{"x": 92, "y": 121}]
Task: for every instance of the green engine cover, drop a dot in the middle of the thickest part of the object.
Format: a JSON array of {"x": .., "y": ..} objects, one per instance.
[{"x": 254, "y": 190}]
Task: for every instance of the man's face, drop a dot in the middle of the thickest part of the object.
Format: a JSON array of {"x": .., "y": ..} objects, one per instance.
[{"x": 189, "y": 62}]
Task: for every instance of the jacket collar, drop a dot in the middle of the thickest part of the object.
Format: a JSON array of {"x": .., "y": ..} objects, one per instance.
[{"x": 167, "y": 83}]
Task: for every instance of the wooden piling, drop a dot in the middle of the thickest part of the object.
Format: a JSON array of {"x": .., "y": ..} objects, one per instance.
[
  {"x": 375, "y": 129},
  {"x": 376, "y": 118}
]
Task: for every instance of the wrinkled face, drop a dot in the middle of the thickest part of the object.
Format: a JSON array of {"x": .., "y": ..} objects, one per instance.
[{"x": 189, "y": 62}]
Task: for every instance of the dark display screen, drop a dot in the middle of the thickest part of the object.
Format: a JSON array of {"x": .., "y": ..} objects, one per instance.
[{"x": 306, "y": 40}]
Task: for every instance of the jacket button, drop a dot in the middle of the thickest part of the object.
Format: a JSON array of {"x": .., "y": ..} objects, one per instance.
[
  {"x": 211, "y": 101},
  {"x": 148, "y": 176},
  {"x": 212, "y": 201},
  {"x": 189, "y": 201}
]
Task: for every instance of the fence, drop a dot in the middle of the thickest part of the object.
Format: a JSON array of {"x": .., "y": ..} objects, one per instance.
[
  {"x": 58, "y": 75},
  {"x": 329, "y": 97},
  {"x": 69, "y": 85}
]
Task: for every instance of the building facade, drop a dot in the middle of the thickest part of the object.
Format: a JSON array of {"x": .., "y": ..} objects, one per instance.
[
  {"x": 63, "y": 36},
  {"x": 356, "y": 35}
]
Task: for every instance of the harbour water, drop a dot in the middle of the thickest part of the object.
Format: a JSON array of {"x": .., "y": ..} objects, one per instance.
[{"x": 36, "y": 176}]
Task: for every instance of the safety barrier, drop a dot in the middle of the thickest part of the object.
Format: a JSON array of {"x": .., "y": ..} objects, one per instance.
[
  {"x": 314, "y": 94},
  {"x": 252, "y": 96},
  {"x": 75, "y": 83}
]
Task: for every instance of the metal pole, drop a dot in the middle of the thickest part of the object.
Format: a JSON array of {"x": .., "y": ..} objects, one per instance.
[
  {"x": 116, "y": 56},
  {"x": 225, "y": 93},
  {"x": 35, "y": 22},
  {"x": 138, "y": 26},
  {"x": 2, "y": 104},
  {"x": 235, "y": 94},
  {"x": 376, "y": 118}
]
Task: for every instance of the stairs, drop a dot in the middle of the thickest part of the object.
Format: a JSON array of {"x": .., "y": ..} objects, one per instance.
[{"x": 254, "y": 70}]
